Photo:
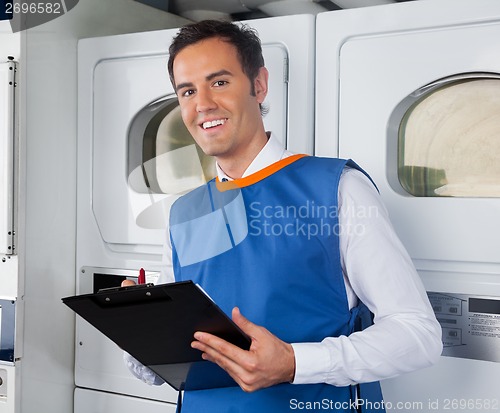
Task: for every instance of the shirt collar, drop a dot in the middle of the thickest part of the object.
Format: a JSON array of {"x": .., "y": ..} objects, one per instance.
[{"x": 272, "y": 152}]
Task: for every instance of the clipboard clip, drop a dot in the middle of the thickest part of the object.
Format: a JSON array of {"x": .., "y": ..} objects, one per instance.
[
  {"x": 129, "y": 295},
  {"x": 128, "y": 287}
]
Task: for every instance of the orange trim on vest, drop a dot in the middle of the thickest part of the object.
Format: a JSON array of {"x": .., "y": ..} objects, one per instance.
[{"x": 257, "y": 176}]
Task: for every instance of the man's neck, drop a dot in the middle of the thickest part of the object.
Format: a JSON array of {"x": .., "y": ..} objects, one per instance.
[{"x": 235, "y": 166}]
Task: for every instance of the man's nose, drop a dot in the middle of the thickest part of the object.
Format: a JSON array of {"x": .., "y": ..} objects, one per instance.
[{"x": 205, "y": 101}]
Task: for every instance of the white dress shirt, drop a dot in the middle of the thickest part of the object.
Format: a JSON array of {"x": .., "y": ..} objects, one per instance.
[{"x": 376, "y": 267}]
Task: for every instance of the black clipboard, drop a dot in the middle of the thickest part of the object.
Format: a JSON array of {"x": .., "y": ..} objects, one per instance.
[{"x": 156, "y": 324}]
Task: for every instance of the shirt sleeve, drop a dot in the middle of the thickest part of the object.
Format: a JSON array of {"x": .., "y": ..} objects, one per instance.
[{"x": 405, "y": 335}]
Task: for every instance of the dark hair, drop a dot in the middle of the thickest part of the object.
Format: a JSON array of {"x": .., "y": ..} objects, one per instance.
[{"x": 244, "y": 38}]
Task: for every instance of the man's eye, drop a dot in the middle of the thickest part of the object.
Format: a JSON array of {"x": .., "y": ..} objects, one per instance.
[
  {"x": 219, "y": 83},
  {"x": 188, "y": 92}
]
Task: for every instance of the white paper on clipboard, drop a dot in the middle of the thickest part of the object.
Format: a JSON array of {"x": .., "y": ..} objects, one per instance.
[{"x": 7, "y": 85}]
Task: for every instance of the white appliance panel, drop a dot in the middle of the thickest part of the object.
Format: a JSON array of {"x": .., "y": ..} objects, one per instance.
[
  {"x": 121, "y": 89},
  {"x": 102, "y": 191},
  {"x": 457, "y": 225},
  {"x": 372, "y": 59},
  {"x": 7, "y": 80},
  {"x": 90, "y": 401},
  {"x": 105, "y": 369}
]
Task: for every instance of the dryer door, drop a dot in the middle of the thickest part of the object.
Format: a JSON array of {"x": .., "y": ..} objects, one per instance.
[{"x": 381, "y": 71}]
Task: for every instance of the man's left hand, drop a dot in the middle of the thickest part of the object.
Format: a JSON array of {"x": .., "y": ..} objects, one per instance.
[{"x": 269, "y": 360}]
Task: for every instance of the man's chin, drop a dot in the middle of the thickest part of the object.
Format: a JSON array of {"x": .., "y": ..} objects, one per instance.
[{"x": 212, "y": 150}]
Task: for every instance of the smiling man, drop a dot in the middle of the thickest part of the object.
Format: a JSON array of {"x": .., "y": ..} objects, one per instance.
[
  {"x": 219, "y": 103},
  {"x": 302, "y": 292}
]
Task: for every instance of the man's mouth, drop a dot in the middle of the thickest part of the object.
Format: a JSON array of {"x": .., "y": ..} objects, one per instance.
[{"x": 213, "y": 123}]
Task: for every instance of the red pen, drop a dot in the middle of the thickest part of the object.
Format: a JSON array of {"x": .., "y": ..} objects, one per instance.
[{"x": 142, "y": 276}]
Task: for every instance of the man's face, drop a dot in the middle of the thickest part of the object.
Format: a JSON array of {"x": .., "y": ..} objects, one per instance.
[{"x": 215, "y": 98}]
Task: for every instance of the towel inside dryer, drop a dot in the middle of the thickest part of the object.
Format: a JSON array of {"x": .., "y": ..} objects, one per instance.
[
  {"x": 163, "y": 157},
  {"x": 449, "y": 138}
]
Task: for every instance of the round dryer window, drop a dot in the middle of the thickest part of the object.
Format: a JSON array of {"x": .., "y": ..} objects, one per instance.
[
  {"x": 449, "y": 137},
  {"x": 163, "y": 158}
]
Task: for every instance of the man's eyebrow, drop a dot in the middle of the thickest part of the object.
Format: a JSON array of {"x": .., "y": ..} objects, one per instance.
[
  {"x": 183, "y": 85},
  {"x": 209, "y": 77},
  {"x": 219, "y": 73}
]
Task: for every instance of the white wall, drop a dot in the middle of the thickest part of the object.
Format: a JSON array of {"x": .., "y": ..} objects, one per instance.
[
  {"x": 9, "y": 42},
  {"x": 48, "y": 134}
]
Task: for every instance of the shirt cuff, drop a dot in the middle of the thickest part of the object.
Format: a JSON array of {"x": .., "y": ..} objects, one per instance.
[
  {"x": 142, "y": 372},
  {"x": 311, "y": 361}
]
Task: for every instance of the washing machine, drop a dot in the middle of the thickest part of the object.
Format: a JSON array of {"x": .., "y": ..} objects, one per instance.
[
  {"x": 411, "y": 92},
  {"x": 135, "y": 157}
]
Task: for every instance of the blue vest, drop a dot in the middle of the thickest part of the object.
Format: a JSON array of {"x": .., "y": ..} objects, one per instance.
[{"x": 269, "y": 244}]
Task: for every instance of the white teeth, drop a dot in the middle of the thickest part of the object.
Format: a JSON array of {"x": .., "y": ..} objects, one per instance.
[{"x": 207, "y": 125}]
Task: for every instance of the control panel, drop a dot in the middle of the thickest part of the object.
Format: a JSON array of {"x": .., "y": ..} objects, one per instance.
[{"x": 470, "y": 324}]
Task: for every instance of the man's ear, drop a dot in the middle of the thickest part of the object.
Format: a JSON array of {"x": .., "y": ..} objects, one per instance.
[{"x": 260, "y": 84}]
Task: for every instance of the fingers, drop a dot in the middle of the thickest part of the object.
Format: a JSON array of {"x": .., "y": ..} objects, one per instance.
[
  {"x": 217, "y": 348},
  {"x": 237, "y": 362},
  {"x": 242, "y": 322},
  {"x": 269, "y": 360},
  {"x": 229, "y": 357},
  {"x": 210, "y": 342}
]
